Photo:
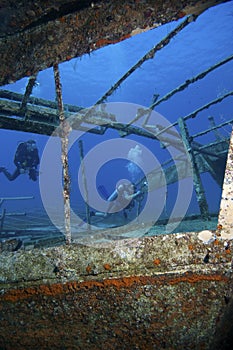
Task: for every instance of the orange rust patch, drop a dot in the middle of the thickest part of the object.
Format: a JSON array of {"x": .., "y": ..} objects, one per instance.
[
  {"x": 126, "y": 282},
  {"x": 88, "y": 268},
  {"x": 107, "y": 267},
  {"x": 198, "y": 278},
  {"x": 228, "y": 251},
  {"x": 157, "y": 261},
  {"x": 124, "y": 37},
  {"x": 104, "y": 42},
  {"x": 181, "y": 14},
  {"x": 216, "y": 242},
  {"x": 190, "y": 246}
]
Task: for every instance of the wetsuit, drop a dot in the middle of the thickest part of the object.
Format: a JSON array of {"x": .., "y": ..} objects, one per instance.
[{"x": 26, "y": 160}]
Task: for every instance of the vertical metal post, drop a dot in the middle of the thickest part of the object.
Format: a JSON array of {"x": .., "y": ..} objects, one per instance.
[
  {"x": 80, "y": 143},
  {"x": 64, "y": 154},
  {"x": 216, "y": 132},
  {"x": 199, "y": 189},
  {"x": 2, "y": 217},
  {"x": 28, "y": 91}
]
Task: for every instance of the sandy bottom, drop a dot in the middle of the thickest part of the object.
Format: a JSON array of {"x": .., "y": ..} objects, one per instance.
[{"x": 36, "y": 229}]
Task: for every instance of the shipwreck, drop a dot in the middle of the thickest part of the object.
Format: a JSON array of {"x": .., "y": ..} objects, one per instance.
[{"x": 144, "y": 285}]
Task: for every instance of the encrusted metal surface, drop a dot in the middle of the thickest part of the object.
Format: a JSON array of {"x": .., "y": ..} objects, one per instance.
[
  {"x": 226, "y": 209},
  {"x": 35, "y": 35},
  {"x": 132, "y": 313},
  {"x": 158, "y": 292},
  {"x": 175, "y": 253}
]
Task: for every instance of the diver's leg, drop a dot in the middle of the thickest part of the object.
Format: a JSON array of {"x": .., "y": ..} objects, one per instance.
[{"x": 11, "y": 177}]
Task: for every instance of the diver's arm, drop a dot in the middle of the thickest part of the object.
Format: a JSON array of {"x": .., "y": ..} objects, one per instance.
[
  {"x": 113, "y": 196},
  {"x": 131, "y": 196}
]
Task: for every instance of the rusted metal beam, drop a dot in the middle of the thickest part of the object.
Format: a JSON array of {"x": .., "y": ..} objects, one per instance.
[
  {"x": 190, "y": 81},
  {"x": 64, "y": 154},
  {"x": 31, "y": 83},
  {"x": 15, "y": 96},
  {"x": 149, "y": 55},
  {"x": 85, "y": 186},
  {"x": 200, "y": 192}
]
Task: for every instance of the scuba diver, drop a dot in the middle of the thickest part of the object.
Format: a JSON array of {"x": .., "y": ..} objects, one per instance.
[
  {"x": 122, "y": 199},
  {"x": 26, "y": 160}
]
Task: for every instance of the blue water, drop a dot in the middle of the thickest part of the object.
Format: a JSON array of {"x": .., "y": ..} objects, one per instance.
[{"x": 84, "y": 80}]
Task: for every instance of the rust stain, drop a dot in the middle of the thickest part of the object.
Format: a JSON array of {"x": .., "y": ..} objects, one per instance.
[
  {"x": 88, "y": 268},
  {"x": 157, "y": 261},
  {"x": 62, "y": 19},
  {"x": 199, "y": 278},
  {"x": 216, "y": 242},
  {"x": 14, "y": 295},
  {"x": 104, "y": 42},
  {"x": 181, "y": 14},
  {"x": 107, "y": 267}
]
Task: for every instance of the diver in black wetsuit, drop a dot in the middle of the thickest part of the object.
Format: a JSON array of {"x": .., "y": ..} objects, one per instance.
[{"x": 26, "y": 160}]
